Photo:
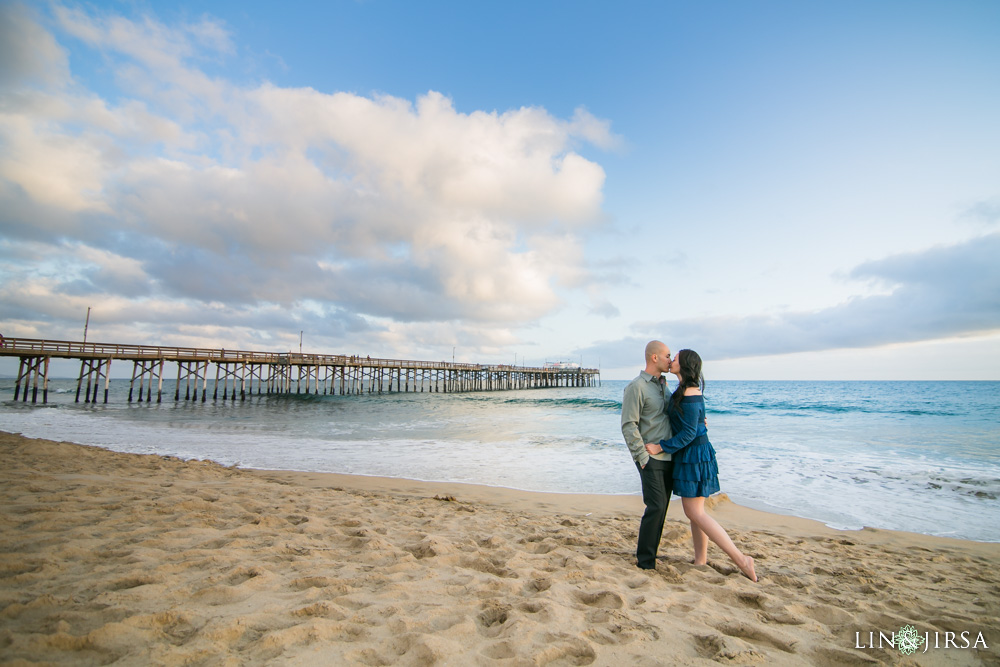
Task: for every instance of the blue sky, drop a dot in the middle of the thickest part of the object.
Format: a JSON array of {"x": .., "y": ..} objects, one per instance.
[{"x": 795, "y": 190}]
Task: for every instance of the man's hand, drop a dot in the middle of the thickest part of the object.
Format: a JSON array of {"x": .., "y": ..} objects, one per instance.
[{"x": 653, "y": 448}]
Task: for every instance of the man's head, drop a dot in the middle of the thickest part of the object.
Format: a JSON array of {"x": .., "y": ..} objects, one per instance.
[{"x": 657, "y": 358}]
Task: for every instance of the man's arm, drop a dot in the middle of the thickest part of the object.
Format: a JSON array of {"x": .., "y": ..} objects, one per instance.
[{"x": 631, "y": 409}]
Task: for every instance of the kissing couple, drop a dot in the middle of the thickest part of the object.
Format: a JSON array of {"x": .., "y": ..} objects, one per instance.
[{"x": 667, "y": 435}]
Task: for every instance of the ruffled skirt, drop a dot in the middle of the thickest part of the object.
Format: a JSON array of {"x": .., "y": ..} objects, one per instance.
[{"x": 696, "y": 475}]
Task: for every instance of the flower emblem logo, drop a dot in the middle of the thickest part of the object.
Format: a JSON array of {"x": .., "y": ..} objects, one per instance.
[{"x": 907, "y": 639}]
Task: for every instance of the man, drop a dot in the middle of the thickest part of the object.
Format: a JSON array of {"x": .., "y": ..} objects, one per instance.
[{"x": 645, "y": 420}]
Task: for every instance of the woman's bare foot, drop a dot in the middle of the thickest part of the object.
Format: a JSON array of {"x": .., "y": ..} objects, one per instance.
[{"x": 747, "y": 569}]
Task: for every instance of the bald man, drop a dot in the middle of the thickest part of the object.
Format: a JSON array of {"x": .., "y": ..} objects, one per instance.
[{"x": 645, "y": 420}]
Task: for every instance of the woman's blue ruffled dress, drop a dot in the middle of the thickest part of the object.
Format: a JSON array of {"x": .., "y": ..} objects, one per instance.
[{"x": 696, "y": 472}]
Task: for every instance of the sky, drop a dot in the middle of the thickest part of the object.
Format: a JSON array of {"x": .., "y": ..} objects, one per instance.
[{"x": 795, "y": 190}]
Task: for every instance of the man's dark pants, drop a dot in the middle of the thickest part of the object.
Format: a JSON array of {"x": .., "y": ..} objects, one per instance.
[{"x": 657, "y": 483}]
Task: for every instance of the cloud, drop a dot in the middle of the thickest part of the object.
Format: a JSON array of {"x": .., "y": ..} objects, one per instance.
[
  {"x": 56, "y": 169},
  {"x": 600, "y": 305},
  {"x": 985, "y": 212},
  {"x": 191, "y": 189},
  {"x": 941, "y": 292},
  {"x": 28, "y": 54},
  {"x": 595, "y": 130}
]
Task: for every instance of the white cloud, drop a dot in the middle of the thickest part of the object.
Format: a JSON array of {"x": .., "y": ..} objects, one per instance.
[
  {"x": 604, "y": 308},
  {"x": 152, "y": 60},
  {"x": 115, "y": 270},
  {"x": 985, "y": 212},
  {"x": 53, "y": 167},
  {"x": 595, "y": 130},
  {"x": 28, "y": 54},
  {"x": 938, "y": 293},
  {"x": 194, "y": 190}
]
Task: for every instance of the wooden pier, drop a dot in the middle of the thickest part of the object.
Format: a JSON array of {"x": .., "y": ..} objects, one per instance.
[{"x": 241, "y": 373}]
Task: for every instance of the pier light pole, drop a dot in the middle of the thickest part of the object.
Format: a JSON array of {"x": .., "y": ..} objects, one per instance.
[
  {"x": 86, "y": 324},
  {"x": 300, "y": 342}
]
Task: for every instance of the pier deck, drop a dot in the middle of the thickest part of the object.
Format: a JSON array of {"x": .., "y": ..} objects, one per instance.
[{"x": 241, "y": 373}]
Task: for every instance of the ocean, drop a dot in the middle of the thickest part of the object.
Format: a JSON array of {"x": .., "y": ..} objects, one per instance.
[{"x": 912, "y": 456}]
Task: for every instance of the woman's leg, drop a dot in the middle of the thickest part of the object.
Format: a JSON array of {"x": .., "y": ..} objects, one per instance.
[
  {"x": 700, "y": 540},
  {"x": 694, "y": 509}
]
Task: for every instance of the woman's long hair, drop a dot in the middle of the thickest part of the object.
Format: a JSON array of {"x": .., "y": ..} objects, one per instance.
[{"x": 690, "y": 368}]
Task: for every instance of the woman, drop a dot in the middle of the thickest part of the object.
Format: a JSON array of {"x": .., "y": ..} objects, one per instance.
[{"x": 696, "y": 473}]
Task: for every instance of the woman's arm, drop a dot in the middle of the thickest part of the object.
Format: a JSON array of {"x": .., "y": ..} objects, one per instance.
[{"x": 683, "y": 438}]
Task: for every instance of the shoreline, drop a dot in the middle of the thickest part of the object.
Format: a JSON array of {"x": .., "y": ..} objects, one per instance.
[
  {"x": 742, "y": 516},
  {"x": 555, "y": 502},
  {"x": 878, "y": 476},
  {"x": 145, "y": 559},
  {"x": 728, "y": 512}
]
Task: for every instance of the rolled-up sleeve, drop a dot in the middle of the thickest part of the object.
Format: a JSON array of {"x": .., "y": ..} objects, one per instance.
[{"x": 631, "y": 409}]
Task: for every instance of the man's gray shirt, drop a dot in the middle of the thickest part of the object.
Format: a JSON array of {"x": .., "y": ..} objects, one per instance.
[{"x": 643, "y": 416}]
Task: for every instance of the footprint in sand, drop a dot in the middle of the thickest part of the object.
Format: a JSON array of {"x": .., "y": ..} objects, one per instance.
[
  {"x": 326, "y": 610},
  {"x": 826, "y": 614},
  {"x": 429, "y": 547},
  {"x": 241, "y": 574},
  {"x": 483, "y": 565},
  {"x": 130, "y": 582},
  {"x": 756, "y": 634},
  {"x": 532, "y": 607},
  {"x": 826, "y": 655},
  {"x": 601, "y": 599},
  {"x": 727, "y": 649},
  {"x": 538, "y": 585},
  {"x": 566, "y": 650},
  {"x": 303, "y": 583},
  {"x": 499, "y": 651},
  {"x": 491, "y": 620},
  {"x": 637, "y": 582}
]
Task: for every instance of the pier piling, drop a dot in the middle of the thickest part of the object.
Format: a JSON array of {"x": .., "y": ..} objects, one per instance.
[{"x": 275, "y": 373}]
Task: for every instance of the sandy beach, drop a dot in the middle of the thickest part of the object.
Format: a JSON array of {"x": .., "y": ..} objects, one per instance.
[{"x": 140, "y": 559}]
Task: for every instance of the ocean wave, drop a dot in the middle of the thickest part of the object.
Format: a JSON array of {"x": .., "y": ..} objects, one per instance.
[
  {"x": 551, "y": 402},
  {"x": 987, "y": 488},
  {"x": 802, "y": 448},
  {"x": 805, "y": 408}
]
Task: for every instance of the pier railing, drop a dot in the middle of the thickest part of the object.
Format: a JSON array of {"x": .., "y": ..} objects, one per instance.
[{"x": 269, "y": 372}]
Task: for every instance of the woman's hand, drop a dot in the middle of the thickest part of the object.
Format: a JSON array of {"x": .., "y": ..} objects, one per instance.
[{"x": 653, "y": 448}]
